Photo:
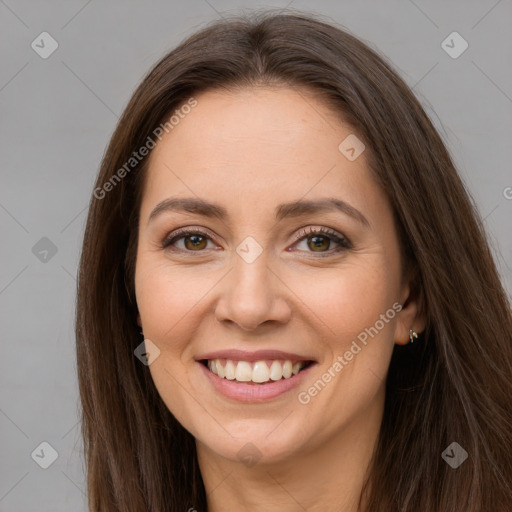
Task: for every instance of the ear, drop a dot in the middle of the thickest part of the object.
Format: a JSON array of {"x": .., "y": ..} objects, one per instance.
[{"x": 412, "y": 315}]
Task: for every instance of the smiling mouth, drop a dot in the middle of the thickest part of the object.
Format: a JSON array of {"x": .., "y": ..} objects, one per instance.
[{"x": 256, "y": 372}]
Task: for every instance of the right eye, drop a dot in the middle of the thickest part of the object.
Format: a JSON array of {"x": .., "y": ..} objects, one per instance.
[{"x": 196, "y": 240}]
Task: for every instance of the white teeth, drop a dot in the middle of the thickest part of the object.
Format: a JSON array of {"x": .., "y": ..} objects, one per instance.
[
  {"x": 276, "y": 370},
  {"x": 259, "y": 372},
  {"x": 220, "y": 369},
  {"x": 287, "y": 369},
  {"x": 296, "y": 368},
  {"x": 243, "y": 371},
  {"x": 229, "y": 370}
]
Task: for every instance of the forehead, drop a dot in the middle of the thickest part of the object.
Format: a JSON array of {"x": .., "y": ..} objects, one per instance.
[{"x": 257, "y": 146}]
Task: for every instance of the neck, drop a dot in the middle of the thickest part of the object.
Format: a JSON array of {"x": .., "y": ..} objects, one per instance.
[{"x": 326, "y": 477}]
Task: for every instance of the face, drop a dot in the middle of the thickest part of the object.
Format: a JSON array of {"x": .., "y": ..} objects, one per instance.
[{"x": 261, "y": 281}]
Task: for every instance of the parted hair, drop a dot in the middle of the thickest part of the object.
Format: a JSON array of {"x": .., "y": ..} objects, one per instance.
[{"x": 453, "y": 385}]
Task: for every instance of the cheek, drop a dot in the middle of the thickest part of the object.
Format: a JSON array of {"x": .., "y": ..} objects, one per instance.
[
  {"x": 167, "y": 295},
  {"x": 351, "y": 298},
  {"x": 169, "y": 300},
  {"x": 355, "y": 305}
]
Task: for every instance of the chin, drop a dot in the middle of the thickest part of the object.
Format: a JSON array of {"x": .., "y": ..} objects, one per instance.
[{"x": 256, "y": 444}]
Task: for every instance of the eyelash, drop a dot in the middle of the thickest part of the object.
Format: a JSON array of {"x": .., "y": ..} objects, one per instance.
[{"x": 342, "y": 241}]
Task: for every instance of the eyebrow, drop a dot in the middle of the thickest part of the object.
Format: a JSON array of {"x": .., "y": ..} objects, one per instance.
[{"x": 292, "y": 209}]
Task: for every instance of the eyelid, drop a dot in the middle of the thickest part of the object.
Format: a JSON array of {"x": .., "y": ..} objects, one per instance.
[
  {"x": 183, "y": 232},
  {"x": 338, "y": 238},
  {"x": 342, "y": 242},
  {"x": 341, "y": 238}
]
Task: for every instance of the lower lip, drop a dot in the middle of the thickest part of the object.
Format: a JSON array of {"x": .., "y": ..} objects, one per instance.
[{"x": 242, "y": 392}]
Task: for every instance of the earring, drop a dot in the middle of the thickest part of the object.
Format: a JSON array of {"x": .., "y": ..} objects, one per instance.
[{"x": 412, "y": 335}]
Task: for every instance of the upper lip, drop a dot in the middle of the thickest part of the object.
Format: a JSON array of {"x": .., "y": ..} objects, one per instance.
[{"x": 258, "y": 355}]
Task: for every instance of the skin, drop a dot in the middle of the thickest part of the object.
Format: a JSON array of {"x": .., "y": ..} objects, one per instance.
[{"x": 250, "y": 150}]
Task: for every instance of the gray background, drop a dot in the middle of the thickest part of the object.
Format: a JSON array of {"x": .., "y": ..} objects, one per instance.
[{"x": 57, "y": 115}]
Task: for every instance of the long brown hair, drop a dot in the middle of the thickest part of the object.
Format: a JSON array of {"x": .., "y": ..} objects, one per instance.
[{"x": 453, "y": 386}]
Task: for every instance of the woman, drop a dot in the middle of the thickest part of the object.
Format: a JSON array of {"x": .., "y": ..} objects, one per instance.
[{"x": 286, "y": 299}]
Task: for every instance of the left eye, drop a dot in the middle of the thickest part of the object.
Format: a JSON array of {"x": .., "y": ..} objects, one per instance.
[
  {"x": 315, "y": 239},
  {"x": 318, "y": 239}
]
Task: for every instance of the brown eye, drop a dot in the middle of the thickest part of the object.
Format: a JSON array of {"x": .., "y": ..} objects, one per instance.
[
  {"x": 316, "y": 243},
  {"x": 319, "y": 241},
  {"x": 194, "y": 240}
]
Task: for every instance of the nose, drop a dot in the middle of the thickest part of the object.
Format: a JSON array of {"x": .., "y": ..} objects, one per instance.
[{"x": 252, "y": 295}]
